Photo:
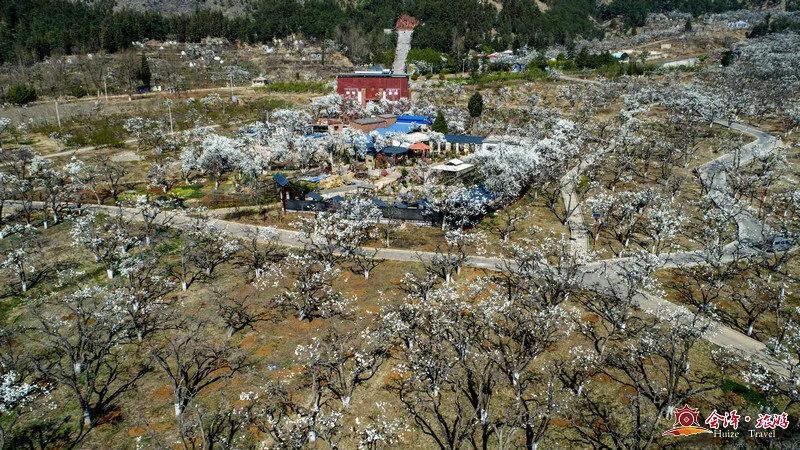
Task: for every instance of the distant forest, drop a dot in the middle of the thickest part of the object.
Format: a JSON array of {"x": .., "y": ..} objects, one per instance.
[{"x": 31, "y": 30}]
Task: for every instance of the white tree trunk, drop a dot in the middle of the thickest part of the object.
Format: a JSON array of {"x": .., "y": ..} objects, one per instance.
[{"x": 110, "y": 273}]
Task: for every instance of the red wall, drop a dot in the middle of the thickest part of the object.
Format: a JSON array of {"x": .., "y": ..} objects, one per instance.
[{"x": 372, "y": 88}]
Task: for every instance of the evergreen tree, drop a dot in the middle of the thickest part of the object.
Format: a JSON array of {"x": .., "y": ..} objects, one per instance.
[
  {"x": 583, "y": 59},
  {"x": 20, "y": 94},
  {"x": 688, "y": 26},
  {"x": 475, "y": 105},
  {"x": 144, "y": 73},
  {"x": 727, "y": 58},
  {"x": 439, "y": 124}
]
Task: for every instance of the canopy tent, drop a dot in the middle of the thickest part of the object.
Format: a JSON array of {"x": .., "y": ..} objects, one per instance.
[{"x": 421, "y": 146}]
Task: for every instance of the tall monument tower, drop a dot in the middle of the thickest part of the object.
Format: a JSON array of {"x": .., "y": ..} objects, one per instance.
[{"x": 405, "y": 28}]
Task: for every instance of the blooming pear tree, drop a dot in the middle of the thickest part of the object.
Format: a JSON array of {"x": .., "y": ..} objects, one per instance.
[
  {"x": 308, "y": 151},
  {"x": 85, "y": 349},
  {"x": 5, "y": 124},
  {"x": 150, "y": 134},
  {"x": 260, "y": 251},
  {"x": 21, "y": 260},
  {"x": 16, "y": 395},
  {"x": 162, "y": 174},
  {"x": 450, "y": 257},
  {"x": 379, "y": 431},
  {"x": 141, "y": 292},
  {"x": 202, "y": 249},
  {"x": 238, "y": 312},
  {"x": 289, "y": 422},
  {"x": 54, "y": 184},
  {"x": 309, "y": 291},
  {"x": 191, "y": 363},
  {"x": 108, "y": 238},
  {"x": 219, "y": 156},
  {"x": 339, "y": 363},
  {"x": 8, "y": 188},
  {"x": 296, "y": 122},
  {"x": 458, "y": 205},
  {"x": 155, "y": 215},
  {"x": 328, "y": 106}
]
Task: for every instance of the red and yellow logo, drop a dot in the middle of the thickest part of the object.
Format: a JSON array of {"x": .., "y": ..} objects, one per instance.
[{"x": 686, "y": 423}]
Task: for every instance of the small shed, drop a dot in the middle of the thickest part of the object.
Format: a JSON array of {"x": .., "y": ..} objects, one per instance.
[
  {"x": 260, "y": 81},
  {"x": 453, "y": 168},
  {"x": 283, "y": 186}
]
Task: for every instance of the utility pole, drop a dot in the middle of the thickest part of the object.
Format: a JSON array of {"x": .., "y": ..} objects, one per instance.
[
  {"x": 58, "y": 116},
  {"x": 169, "y": 108}
]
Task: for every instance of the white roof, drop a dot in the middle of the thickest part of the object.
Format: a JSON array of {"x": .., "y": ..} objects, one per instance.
[
  {"x": 453, "y": 168},
  {"x": 417, "y": 136}
]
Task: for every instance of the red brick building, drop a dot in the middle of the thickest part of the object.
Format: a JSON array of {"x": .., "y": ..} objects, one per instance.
[{"x": 373, "y": 86}]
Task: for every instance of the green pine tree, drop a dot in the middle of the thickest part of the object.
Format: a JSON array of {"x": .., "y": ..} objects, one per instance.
[
  {"x": 475, "y": 105},
  {"x": 439, "y": 124},
  {"x": 144, "y": 73}
]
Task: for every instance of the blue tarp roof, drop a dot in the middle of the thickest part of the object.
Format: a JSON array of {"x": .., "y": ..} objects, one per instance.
[
  {"x": 314, "y": 197},
  {"x": 415, "y": 119},
  {"x": 394, "y": 150},
  {"x": 379, "y": 203},
  {"x": 463, "y": 139},
  {"x": 315, "y": 135},
  {"x": 401, "y": 128},
  {"x": 337, "y": 199},
  {"x": 280, "y": 179}
]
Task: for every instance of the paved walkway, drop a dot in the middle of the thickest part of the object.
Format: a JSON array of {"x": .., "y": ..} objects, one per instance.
[
  {"x": 714, "y": 176},
  {"x": 578, "y": 230}
]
